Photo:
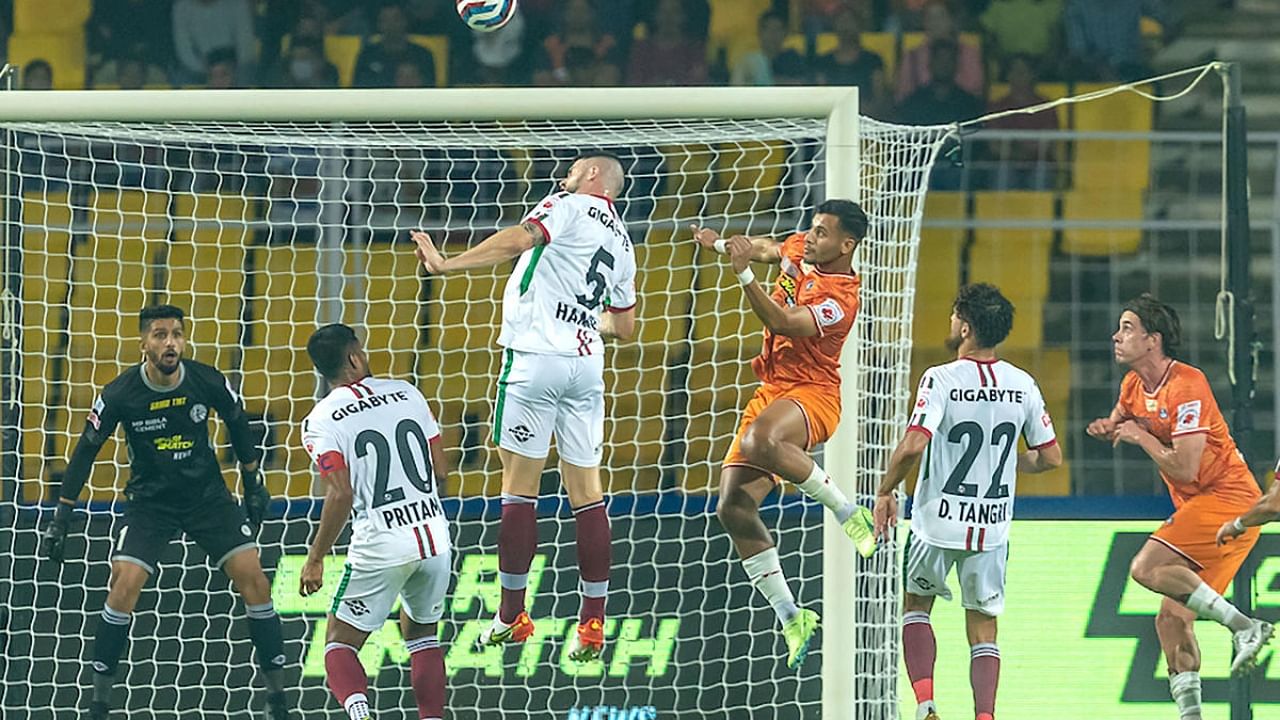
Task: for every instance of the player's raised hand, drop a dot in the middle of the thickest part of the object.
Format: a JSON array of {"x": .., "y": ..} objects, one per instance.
[
  {"x": 53, "y": 542},
  {"x": 1102, "y": 429},
  {"x": 427, "y": 253},
  {"x": 740, "y": 252},
  {"x": 884, "y": 516},
  {"x": 312, "y": 578},
  {"x": 1128, "y": 431},
  {"x": 706, "y": 237}
]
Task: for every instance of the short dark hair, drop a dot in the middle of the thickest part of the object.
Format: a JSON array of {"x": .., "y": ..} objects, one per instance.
[
  {"x": 329, "y": 347},
  {"x": 158, "y": 312},
  {"x": 768, "y": 15},
  {"x": 987, "y": 311},
  {"x": 1158, "y": 317},
  {"x": 851, "y": 216}
]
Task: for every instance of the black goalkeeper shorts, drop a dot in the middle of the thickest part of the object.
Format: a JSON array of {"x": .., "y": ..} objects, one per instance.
[{"x": 218, "y": 525}]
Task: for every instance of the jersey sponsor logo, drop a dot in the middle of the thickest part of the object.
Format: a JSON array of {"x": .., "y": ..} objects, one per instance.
[
  {"x": 167, "y": 403},
  {"x": 199, "y": 413},
  {"x": 605, "y": 219},
  {"x": 521, "y": 433},
  {"x": 986, "y": 394},
  {"x": 151, "y": 424},
  {"x": 173, "y": 442},
  {"x": 576, "y": 316},
  {"x": 414, "y": 512},
  {"x": 1188, "y": 415},
  {"x": 828, "y": 312},
  {"x": 369, "y": 403},
  {"x": 788, "y": 285}
]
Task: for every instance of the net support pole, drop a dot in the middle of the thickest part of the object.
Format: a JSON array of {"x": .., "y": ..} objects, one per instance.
[
  {"x": 839, "y": 692},
  {"x": 1240, "y": 335}
]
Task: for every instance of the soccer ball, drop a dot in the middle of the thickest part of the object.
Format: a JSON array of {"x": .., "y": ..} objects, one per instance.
[{"x": 486, "y": 15}]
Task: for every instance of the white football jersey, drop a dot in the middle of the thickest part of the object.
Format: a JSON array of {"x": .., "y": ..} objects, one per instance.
[
  {"x": 553, "y": 299},
  {"x": 973, "y": 412},
  {"x": 383, "y": 429}
]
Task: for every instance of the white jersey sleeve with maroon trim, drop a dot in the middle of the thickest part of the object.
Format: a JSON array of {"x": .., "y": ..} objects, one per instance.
[
  {"x": 1038, "y": 427},
  {"x": 930, "y": 405}
]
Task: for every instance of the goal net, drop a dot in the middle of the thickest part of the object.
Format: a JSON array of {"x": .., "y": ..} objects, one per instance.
[{"x": 262, "y": 232}]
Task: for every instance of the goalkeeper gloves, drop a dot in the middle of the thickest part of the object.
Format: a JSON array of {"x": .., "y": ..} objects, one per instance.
[
  {"x": 256, "y": 498},
  {"x": 53, "y": 542}
]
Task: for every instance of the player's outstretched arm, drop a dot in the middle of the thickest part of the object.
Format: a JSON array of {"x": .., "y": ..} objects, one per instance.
[
  {"x": 53, "y": 543},
  {"x": 338, "y": 498},
  {"x": 763, "y": 249},
  {"x": 247, "y": 445},
  {"x": 501, "y": 246},
  {"x": 907, "y": 454},
  {"x": 1266, "y": 510},
  {"x": 620, "y": 325}
]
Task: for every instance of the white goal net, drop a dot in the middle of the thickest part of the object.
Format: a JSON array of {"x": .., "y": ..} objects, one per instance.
[{"x": 262, "y": 232}]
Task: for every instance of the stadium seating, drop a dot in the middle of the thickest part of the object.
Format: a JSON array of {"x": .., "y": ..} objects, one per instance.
[
  {"x": 439, "y": 47},
  {"x": 1099, "y": 205},
  {"x": 64, "y": 51},
  {"x": 881, "y": 43},
  {"x": 388, "y": 272},
  {"x": 733, "y": 27},
  {"x": 343, "y": 51},
  {"x": 664, "y": 286},
  {"x": 1052, "y": 370},
  {"x": 1016, "y": 260},
  {"x": 1112, "y": 164},
  {"x": 938, "y": 268},
  {"x": 50, "y": 16}
]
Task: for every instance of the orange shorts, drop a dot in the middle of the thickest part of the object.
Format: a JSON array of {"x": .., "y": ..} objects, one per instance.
[
  {"x": 820, "y": 405},
  {"x": 1192, "y": 530}
]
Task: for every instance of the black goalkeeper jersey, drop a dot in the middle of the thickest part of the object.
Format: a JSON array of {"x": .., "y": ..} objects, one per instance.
[{"x": 167, "y": 431}]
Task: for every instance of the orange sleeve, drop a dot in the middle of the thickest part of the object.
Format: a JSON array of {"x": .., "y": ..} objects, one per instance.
[
  {"x": 1192, "y": 402},
  {"x": 1126, "y": 396},
  {"x": 837, "y": 309},
  {"x": 793, "y": 249}
]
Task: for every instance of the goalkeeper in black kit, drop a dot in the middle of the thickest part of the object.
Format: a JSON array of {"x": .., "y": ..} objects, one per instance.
[{"x": 175, "y": 484}]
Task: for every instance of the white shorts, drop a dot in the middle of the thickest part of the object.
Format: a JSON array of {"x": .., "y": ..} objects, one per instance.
[
  {"x": 981, "y": 574},
  {"x": 364, "y": 598},
  {"x": 544, "y": 395}
]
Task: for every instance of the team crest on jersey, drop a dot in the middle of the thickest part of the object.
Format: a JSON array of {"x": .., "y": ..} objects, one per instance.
[
  {"x": 521, "y": 433},
  {"x": 199, "y": 413},
  {"x": 1164, "y": 414}
]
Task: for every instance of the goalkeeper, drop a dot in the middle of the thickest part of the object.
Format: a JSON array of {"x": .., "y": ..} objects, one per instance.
[{"x": 175, "y": 484}]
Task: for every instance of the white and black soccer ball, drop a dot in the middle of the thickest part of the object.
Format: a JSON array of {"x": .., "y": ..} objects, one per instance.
[{"x": 486, "y": 15}]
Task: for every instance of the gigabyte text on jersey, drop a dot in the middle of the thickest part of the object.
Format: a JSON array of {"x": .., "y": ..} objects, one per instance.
[{"x": 369, "y": 403}]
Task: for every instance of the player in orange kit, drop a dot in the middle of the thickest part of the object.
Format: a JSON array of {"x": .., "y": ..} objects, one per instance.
[
  {"x": 1167, "y": 408},
  {"x": 797, "y": 405}
]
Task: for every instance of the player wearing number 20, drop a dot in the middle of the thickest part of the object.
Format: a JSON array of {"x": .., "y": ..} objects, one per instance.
[
  {"x": 377, "y": 447},
  {"x": 966, "y": 422},
  {"x": 575, "y": 258}
]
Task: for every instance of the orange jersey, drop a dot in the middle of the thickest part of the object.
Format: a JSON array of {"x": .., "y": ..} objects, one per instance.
[
  {"x": 833, "y": 300},
  {"x": 1183, "y": 404}
]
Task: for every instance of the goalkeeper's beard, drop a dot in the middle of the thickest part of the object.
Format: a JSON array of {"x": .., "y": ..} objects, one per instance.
[
  {"x": 163, "y": 366},
  {"x": 954, "y": 342}
]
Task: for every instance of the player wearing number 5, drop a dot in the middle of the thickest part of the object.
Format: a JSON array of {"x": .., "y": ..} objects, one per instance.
[
  {"x": 966, "y": 423},
  {"x": 575, "y": 259},
  {"x": 377, "y": 447}
]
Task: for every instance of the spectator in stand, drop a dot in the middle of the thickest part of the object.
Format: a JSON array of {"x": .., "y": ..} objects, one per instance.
[
  {"x": 499, "y": 56},
  {"x": 136, "y": 28},
  {"x": 1030, "y": 28},
  {"x": 1022, "y": 164},
  {"x": 376, "y": 66},
  {"x": 669, "y": 54},
  {"x": 851, "y": 64},
  {"x": 37, "y": 75},
  {"x": 915, "y": 72},
  {"x": 578, "y": 29},
  {"x": 222, "y": 73},
  {"x": 819, "y": 16},
  {"x": 587, "y": 70},
  {"x": 1104, "y": 37},
  {"x": 202, "y": 26},
  {"x": 906, "y": 16},
  {"x": 304, "y": 66},
  {"x": 129, "y": 72},
  {"x": 409, "y": 75},
  {"x": 942, "y": 100},
  {"x": 770, "y": 64}
]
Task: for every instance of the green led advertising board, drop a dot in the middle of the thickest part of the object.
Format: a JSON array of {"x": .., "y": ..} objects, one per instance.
[{"x": 1078, "y": 634}]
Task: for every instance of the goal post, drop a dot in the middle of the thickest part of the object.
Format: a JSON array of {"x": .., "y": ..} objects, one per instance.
[{"x": 265, "y": 213}]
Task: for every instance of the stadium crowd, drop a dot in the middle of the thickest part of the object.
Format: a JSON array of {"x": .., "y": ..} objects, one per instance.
[{"x": 922, "y": 61}]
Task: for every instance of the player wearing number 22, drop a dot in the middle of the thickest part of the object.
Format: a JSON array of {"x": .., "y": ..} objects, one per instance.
[
  {"x": 1167, "y": 408},
  {"x": 575, "y": 258},
  {"x": 966, "y": 422},
  {"x": 377, "y": 448},
  {"x": 797, "y": 406},
  {"x": 175, "y": 484}
]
